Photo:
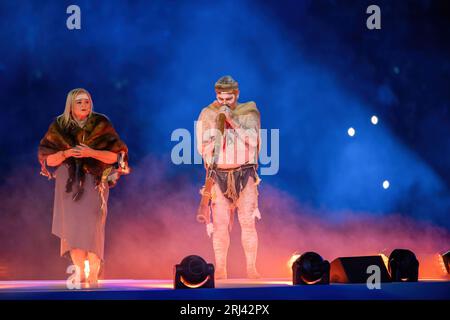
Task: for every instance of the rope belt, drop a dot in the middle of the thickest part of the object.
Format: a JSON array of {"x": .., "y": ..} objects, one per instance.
[{"x": 232, "y": 181}]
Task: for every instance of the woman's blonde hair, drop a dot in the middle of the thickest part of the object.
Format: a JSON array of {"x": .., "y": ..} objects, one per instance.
[{"x": 66, "y": 118}]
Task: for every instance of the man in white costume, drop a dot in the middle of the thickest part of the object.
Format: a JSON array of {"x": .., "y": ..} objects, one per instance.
[{"x": 228, "y": 138}]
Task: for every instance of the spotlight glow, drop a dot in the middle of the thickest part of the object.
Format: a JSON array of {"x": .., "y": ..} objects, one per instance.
[
  {"x": 374, "y": 120},
  {"x": 87, "y": 268},
  {"x": 386, "y": 184},
  {"x": 385, "y": 260},
  {"x": 292, "y": 259},
  {"x": 351, "y": 132}
]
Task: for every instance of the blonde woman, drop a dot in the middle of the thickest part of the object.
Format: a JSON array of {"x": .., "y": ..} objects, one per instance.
[{"x": 87, "y": 157}]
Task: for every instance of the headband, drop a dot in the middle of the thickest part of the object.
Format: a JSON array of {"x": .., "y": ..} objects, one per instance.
[{"x": 82, "y": 96}]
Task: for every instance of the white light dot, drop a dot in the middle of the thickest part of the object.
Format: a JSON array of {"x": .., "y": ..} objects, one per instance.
[
  {"x": 374, "y": 120},
  {"x": 385, "y": 184},
  {"x": 351, "y": 132}
]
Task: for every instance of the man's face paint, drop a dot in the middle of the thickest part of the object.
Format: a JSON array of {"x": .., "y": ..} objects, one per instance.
[{"x": 226, "y": 98}]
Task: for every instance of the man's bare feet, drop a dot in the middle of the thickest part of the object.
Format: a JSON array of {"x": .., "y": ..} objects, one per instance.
[
  {"x": 253, "y": 274},
  {"x": 220, "y": 274}
]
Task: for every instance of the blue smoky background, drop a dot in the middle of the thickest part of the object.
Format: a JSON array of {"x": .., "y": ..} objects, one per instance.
[{"x": 313, "y": 68}]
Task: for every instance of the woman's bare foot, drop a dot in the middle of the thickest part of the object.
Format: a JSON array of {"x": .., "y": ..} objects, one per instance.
[
  {"x": 94, "y": 268},
  {"x": 92, "y": 281},
  {"x": 78, "y": 257}
]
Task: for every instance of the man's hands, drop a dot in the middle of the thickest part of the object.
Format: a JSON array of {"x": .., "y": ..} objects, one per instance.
[
  {"x": 226, "y": 111},
  {"x": 229, "y": 118}
]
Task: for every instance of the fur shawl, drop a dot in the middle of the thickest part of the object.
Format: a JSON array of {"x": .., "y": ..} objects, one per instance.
[{"x": 98, "y": 133}]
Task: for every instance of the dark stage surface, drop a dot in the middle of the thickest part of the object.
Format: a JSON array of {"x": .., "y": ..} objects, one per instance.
[{"x": 232, "y": 289}]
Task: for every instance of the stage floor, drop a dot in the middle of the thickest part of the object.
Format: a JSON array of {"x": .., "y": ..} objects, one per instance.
[{"x": 231, "y": 289}]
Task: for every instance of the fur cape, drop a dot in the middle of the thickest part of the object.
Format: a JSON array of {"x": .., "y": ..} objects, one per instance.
[
  {"x": 98, "y": 133},
  {"x": 242, "y": 109}
]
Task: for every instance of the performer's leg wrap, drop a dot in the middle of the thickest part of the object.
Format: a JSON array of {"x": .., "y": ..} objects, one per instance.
[
  {"x": 221, "y": 236},
  {"x": 247, "y": 204}
]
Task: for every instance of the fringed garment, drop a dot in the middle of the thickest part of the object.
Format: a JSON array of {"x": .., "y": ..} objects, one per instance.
[{"x": 82, "y": 184}]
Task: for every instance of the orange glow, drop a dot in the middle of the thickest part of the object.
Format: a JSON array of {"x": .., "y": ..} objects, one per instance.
[
  {"x": 127, "y": 284},
  {"x": 385, "y": 260},
  {"x": 3, "y": 271},
  {"x": 168, "y": 285},
  {"x": 292, "y": 259},
  {"x": 432, "y": 267},
  {"x": 5, "y": 286},
  {"x": 441, "y": 263},
  {"x": 194, "y": 285},
  {"x": 252, "y": 283}
]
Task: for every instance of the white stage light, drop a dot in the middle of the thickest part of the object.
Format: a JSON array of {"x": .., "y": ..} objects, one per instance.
[
  {"x": 351, "y": 132},
  {"x": 374, "y": 120}
]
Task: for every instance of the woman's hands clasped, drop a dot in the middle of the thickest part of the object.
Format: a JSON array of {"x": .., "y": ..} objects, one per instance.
[{"x": 80, "y": 151}]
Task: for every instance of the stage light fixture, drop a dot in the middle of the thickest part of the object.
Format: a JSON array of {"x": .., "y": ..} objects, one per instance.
[
  {"x": 403, "y": 266},
  {"x": 356, "y": 269},
  {"x": 193, "y": 272},
  {"x": 310, "y": 268},
  {"x": 386, "y": 184},
  {"x": 446, "y": 260}
]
